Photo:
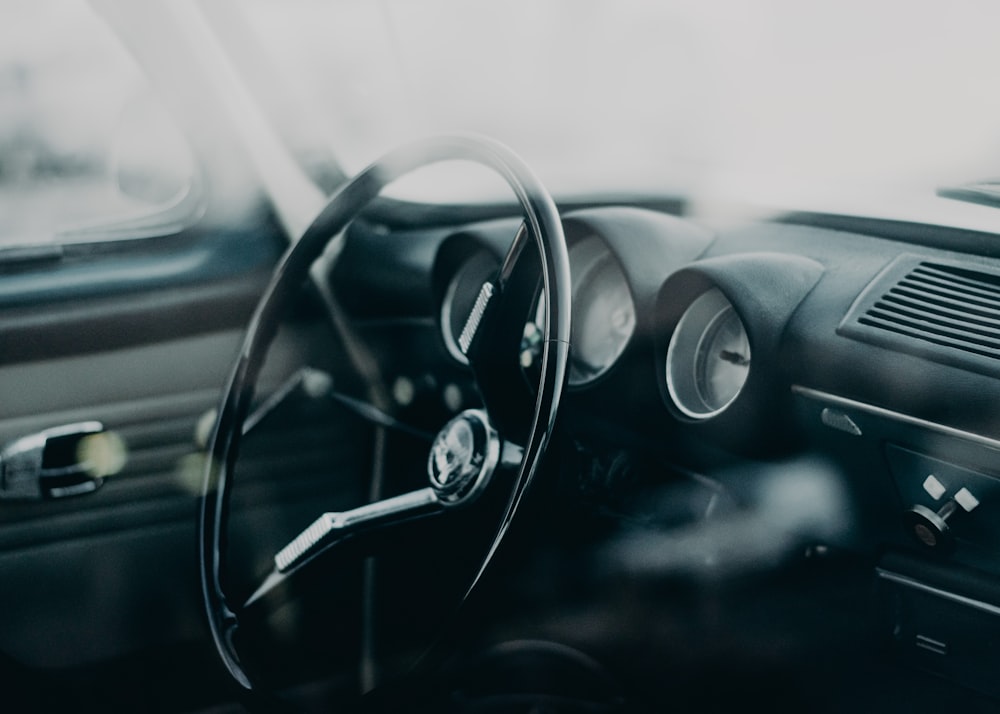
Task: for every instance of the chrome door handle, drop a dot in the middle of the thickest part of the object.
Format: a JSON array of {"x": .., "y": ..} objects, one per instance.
[{"x": 53, "y": 463}]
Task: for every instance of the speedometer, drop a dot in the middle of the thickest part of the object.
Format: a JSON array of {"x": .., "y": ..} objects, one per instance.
[
  {"x": 708, "y": 359},
  {"x": 603, "y": 312}
]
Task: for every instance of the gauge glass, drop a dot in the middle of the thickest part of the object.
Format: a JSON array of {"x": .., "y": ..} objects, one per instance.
[
  {"x": 722, "y": 361},
  {"x": 708, "y": 359}
]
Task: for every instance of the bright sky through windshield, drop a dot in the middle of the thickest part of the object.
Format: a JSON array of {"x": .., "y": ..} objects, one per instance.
[
  {"x": 633, "y": 94},
  {"x": 775, "y": 100}
]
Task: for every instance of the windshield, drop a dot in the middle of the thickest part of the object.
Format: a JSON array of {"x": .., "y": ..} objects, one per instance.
[{"x": 694, "y": 97}]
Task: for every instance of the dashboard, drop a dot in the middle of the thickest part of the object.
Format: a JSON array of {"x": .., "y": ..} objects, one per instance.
[{"x": 836, "y": 381}]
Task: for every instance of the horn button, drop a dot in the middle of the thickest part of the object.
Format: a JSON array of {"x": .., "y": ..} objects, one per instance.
[{"x": 463, "y": 456}]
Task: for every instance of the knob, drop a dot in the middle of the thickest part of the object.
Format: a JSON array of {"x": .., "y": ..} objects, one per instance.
[{"x": 932, "y": 528}]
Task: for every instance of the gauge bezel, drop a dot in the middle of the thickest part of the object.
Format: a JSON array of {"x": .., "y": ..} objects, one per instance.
[{"x": 697, "y": 324}]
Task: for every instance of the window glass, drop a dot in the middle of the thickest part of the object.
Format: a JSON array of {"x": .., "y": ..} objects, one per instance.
[{"x": 82, "y": 141}]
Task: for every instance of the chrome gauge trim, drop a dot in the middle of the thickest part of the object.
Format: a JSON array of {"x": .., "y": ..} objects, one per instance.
[{"x": 692, "y": 368}]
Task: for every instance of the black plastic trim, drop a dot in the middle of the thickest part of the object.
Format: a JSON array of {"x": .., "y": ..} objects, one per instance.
[{"x": 943, "y": 237}]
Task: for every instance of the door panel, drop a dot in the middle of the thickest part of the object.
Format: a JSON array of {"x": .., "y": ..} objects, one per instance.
[{"x": 96, "y": 577}]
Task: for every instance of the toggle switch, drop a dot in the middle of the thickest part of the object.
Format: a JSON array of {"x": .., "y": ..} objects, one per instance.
[{"x": 932, "y": 528}]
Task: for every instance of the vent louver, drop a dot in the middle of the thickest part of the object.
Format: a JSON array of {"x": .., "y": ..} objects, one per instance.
[{"x": 944, "y": 305}]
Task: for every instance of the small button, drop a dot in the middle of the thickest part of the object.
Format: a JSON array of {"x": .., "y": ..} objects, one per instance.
[
  {"x": 966, "y": 500},
  {"x": 935, "y": 489}
]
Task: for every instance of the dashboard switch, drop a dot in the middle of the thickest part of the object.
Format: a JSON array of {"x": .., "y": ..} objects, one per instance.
[
  {"x": 966, "y": 500},
  {"x": 931, "y": 528},
  {"x": 935, "y": 489}
]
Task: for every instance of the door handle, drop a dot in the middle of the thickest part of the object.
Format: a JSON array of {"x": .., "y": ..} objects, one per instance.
[{"x": 57, "y": 462}]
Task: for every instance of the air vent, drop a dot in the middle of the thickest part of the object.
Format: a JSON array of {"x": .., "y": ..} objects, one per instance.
[
  {"x": 947, "y": 312},
  {"x": 945, "y": 306}
]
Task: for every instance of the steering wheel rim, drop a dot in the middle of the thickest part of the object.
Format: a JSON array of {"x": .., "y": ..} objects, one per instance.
[{"x": 541, "y": 221}]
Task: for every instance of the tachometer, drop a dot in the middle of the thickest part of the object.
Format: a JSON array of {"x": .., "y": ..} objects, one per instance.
[{"x": 708, "y": 359}]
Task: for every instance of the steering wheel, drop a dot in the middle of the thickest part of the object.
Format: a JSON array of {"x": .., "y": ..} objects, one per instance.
[{"x": 468, "y": 451}]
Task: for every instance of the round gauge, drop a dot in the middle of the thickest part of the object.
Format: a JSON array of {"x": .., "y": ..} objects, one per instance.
[
  {"x": 708, "y": 359},
  {"x": 603, "y": 314},
  {"x": 460, "y": 296},
  {"x": 603, "y": 311}
]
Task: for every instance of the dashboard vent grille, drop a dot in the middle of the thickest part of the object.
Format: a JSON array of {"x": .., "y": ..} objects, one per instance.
[{"x": 944, "y": 305}]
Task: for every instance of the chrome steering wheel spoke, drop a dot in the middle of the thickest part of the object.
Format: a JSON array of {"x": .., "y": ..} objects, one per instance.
[
  {"x": 460, "y": 465},
  {"x": 333, "y": 528}
]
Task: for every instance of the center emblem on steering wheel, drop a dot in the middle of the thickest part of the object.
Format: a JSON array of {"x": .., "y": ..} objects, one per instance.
[
  {"x": 452, "y": 452},
  {"x": 463, "y": 455}
]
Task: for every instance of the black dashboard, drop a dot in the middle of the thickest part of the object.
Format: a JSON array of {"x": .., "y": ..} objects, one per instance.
[{"x": 837, "y": 382}]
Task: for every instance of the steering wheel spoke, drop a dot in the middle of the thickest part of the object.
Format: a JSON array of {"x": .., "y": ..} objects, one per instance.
[
  {"x": 465, "y": 455},
  {"x": 500, "y": 299},
  {"x": 333, "y": 528}
]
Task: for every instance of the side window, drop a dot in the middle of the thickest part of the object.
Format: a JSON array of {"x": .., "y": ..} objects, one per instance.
[{"x": 83, "y": 142}]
